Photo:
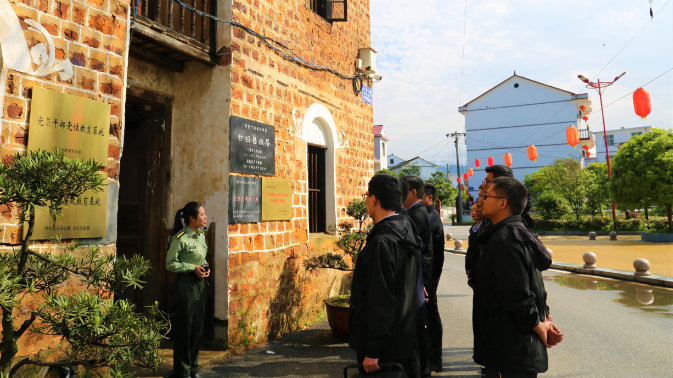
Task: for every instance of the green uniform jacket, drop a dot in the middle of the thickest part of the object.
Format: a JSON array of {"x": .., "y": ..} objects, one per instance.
[{"x": 187, "y": 249}]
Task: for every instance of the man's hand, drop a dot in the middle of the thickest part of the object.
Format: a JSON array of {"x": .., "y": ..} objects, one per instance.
[
  {"x": 470, "y": 282},
  {"x": 371, "y": 364},
  {"x": 541, "y": 329},
  {"x": 426, "y": 295},
  {"x": 554, "y": 335},
  {"x": 200, "y": 272}
]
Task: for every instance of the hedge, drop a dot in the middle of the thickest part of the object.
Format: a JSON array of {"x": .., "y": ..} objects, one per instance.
[{"x": 601, "y": 224}]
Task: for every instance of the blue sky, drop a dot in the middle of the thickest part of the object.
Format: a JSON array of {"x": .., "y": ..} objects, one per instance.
[{"x": 420, "y": 44}]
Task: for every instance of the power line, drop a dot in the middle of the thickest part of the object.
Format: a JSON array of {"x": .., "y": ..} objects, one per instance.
[{"x": 462, "y": 66}]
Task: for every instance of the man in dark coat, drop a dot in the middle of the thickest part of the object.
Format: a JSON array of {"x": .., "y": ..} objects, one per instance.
[
  {"x": 510, "y": 314},
  {"x": 435, "y": 329},
  {"x": 415, "y": 209},
  {"x": 383, "y": 294}
]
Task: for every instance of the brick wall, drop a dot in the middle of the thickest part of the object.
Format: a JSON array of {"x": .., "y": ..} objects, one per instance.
[
  {"x": 269, "y": 290},
  {"x": 91, "y": 35}
]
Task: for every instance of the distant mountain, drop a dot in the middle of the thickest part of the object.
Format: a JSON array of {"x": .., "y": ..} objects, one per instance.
[{"x": 452, "y": 166}]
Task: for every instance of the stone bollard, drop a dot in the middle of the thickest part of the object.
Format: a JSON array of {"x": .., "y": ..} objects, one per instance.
[
  {"x": 589, "y": 260},
  {"x": 592, "y": 285},
  {"x": 592, "y": 235},
  {"x": 613, "y": 235},
  {"x": 449, "y": 237},
  {"x": 551, "y": 253},
  {"x": 458, "y": 244},
  {"x": 642, "y": 267}
]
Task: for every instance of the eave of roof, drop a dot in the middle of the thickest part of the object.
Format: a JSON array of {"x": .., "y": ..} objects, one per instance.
[{"x": 515, "y": 75}]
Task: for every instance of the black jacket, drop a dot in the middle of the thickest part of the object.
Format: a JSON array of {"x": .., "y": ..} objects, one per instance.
[
  {"x": 472, "y": 254},
  {"x": 383, "y": 294},
  {"x": 419, "y": 215},
  {"x": 510, "y": 298},
  {"x": 437, "y": 243}
]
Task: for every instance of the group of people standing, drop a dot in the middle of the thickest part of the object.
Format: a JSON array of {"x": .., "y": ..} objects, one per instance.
[{"x": 394, "y": 313}]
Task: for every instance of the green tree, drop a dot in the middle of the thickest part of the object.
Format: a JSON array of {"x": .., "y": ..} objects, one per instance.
[
  {"x": 445, "y": 191},
  {"x": 565, "y": 178},
  {"x": 95, "y": 331},
  {"x": 410, "y": 170},
  {"x": 642, "y": 172},
  {"x": 552, "y": 206},
  {"x": 598, "y": 193},
  {"x": 387, "y": 171}
]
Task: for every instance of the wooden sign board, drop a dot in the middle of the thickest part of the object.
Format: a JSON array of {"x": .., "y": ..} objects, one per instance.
[
  {"x": 276, "y": 199},
  {"x": 245, "y": 204},
  {"x": 80, "y": 127},
  {"x": 252, "y": 147}
]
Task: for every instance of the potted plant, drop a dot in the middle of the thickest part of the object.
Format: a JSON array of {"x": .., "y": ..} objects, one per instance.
[{"x": 350, "y": 242}]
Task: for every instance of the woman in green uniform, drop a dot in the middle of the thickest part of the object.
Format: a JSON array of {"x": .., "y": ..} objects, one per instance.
[{"x": 187, "y": 257}]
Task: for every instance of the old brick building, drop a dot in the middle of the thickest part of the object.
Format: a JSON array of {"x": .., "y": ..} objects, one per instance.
[{"x": 174, "y": 79}]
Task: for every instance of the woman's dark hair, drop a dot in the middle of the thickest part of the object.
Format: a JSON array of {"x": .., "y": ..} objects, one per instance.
[
  {"x": 190, "y": 210},
  {"x": 387, "y": 190}
]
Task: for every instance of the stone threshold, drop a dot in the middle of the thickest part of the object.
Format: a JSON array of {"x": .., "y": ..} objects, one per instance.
[{"x": 654, "y": 280}]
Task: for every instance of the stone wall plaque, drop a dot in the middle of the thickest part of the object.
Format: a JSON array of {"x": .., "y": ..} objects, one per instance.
[
  {"x": 245, "y": 202},
  {"x": 252, "y": 147},
  {"x": 276, "y": 199}
]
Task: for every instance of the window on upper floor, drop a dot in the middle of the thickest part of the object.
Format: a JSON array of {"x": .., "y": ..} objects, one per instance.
[
  {"x": 611, "y": 140},
  {"x": 636, "y": 133},
  {"x": 330, "y": 10},
  {"x": 383, "y": 149},
  {"x": 391, "y": 161}
]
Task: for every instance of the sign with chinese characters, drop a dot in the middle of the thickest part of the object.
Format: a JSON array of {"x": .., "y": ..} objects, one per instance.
[
  {"x": 245, "y": 199},
  {"x": 367, "y": 95},
  {"x": 276, "y": 199},
  {"x": 252, "y": 147},
  {"x": 80, "y": 127}
]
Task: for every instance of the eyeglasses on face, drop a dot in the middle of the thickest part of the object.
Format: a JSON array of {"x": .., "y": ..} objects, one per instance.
[
  {"x": 486, "y": 196},
  {"x": 364, "y": 196}
]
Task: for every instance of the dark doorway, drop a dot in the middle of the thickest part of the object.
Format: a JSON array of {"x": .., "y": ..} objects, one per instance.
[
  {"x": 144, "y": 183},
  {"x": 316, "y": 189}
]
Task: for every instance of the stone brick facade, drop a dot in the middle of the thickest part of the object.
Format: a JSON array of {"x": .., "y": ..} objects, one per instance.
[
  {"x": 91, "y": 36},
  {"x": 270, "y": 292}
]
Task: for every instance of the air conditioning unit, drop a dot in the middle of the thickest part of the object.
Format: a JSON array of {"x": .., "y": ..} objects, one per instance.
[{"x": 368, "y": 57}]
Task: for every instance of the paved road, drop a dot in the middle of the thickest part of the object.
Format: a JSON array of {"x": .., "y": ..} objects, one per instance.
[{"x": 609, "y": 333}]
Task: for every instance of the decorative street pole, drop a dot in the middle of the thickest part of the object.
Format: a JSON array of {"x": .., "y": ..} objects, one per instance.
[{"x": 600, "y": 87}]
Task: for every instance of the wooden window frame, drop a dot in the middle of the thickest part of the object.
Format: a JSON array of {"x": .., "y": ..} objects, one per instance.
[
  {"x": 324, "y": 9},
  {"x": 317, "y": 185}
]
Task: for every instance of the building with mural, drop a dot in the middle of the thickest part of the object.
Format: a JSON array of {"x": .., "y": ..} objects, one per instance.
[{"x": 198, "y": 109}]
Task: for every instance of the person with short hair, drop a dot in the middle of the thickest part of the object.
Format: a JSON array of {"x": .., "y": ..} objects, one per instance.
[
  {"x": 435, "y": 329},
  {"x": 494, "y": 172},
  {"x": 383, "y": 293},
  {"x": 415, "y": 209},
  {"x": 511, "y": 320},
  {"x": 187, "y": 257}
]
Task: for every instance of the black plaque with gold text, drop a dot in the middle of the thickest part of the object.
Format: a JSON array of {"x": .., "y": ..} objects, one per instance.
[{"x": 252, "y": 147}]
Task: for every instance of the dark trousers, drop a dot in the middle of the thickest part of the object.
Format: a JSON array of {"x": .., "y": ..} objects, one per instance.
[
  {"x": 435, "y": 329},
  {"x": 493, "y": 373},
  {"x": 422, "y": 350},
  {"x": 407, "y": 364},
  {"x": 189, "y": 299}
]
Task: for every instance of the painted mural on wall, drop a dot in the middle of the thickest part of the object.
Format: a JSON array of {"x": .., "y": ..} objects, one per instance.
[{"x": 15, "y": 52}]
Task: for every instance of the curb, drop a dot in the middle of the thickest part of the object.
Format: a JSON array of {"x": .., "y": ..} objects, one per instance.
[{"x": 654, "y": 280}]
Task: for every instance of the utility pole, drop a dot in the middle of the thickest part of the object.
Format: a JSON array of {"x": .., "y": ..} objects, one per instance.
[{"x": 459, "y": 207}]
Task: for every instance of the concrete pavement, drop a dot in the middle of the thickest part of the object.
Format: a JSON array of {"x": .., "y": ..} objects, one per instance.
[{"x": 613, "y": 329}]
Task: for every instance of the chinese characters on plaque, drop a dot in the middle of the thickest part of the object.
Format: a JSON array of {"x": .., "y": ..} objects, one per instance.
[
  {"x": 276, "y": 199},
  {"x": 252, "y": 147},
  {"x": 80, "y": 127},
  {"x": 245, "y": 199}
]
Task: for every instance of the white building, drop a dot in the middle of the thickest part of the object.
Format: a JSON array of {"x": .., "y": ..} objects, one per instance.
[
  {"x": 615, "y": 139},
  {"x": 517, "y": 113},
  {"x": 380, "y": 148},
  {"x": 427, "y": 167}
]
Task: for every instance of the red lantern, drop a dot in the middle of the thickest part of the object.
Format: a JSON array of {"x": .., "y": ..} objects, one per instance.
[
  {"x": 470, "y": 172},
  {"x": 588, "y": 154},
  {"x": 477, "y": 163},
  {"x": 490, "y": 161},
  {"x": 586, "y": 147},
  {"x": 532, "y": 152},
  {"x": 462, "y": 187},
  {"x": 585, "y": 118},
  {"x": 466, "y": 176},
  {"x": 641, "y": 103},
  {"x": 573, "y": 136},
  {"x": 458, "y": 179},
  {"x": 508, "y": 159},
  {"x": 583, "y": 108}
]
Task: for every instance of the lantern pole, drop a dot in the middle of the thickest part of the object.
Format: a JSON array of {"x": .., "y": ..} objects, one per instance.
[{"x": 600, "y": 87}]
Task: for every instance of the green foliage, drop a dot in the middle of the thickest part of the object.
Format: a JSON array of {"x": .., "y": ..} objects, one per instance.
[
  {"x": 600, "y": 224},
  {"x": 96, "y": 332},
  {"x": 551, "y": 205},
  {"x": 410, "y": 170},
  {"x": 642, "y": 172},
  {"x": 445, "y": 191},
  {"x": 597, "y": 190},
  {"x": 351, "y": 241},
  {"x": 387, "y": 171}
]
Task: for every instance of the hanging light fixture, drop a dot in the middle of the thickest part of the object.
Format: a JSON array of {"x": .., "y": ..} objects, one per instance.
[
  {"x": 470, "y": 172},
  {"x": 466, "y": 176},
  {"x": 573, "y": 136},
  {"x": 508, "y": 159},
  {"x": 532, "y": 152},
  {"x": 477, "y": 163},
  {"x": 490, "y": 161},
  {"x": 641, "y": 103}
]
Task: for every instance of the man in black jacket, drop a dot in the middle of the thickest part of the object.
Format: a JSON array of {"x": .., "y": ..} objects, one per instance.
[
  {"x": 383, "y": 294},
  {"x": 510, "y": 314},
  {"x": 435, "y": 329},
  {"x": 415, "y": 209}
]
